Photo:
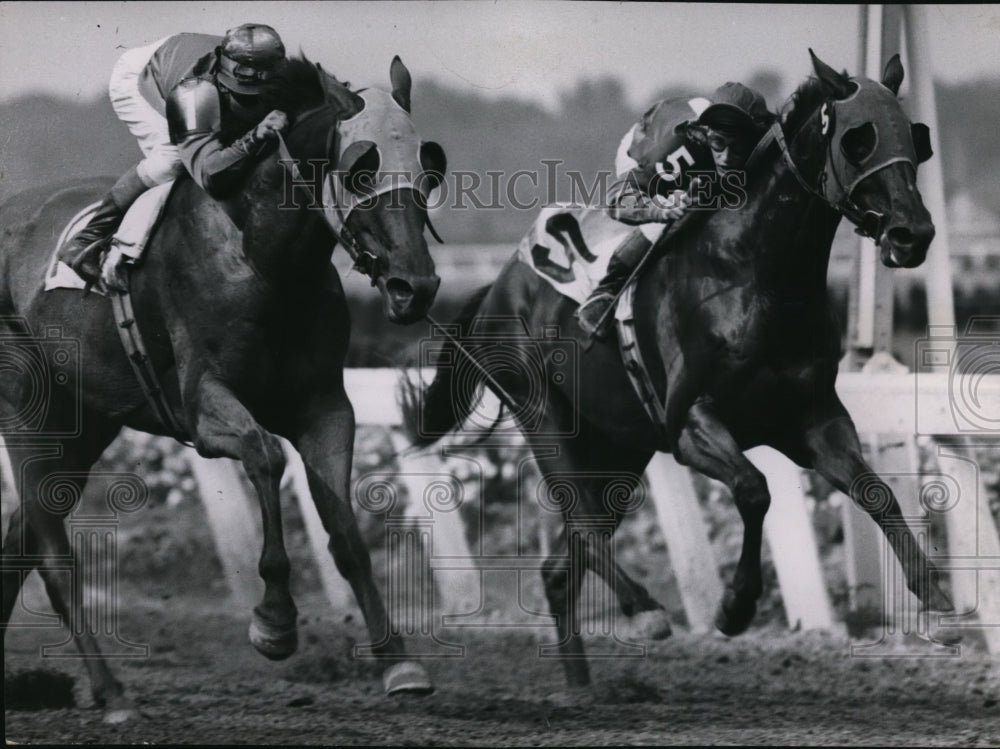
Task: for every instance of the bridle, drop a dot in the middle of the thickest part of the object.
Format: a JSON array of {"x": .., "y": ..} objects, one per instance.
[
  {"x": 365, "y": 261},
  {"x": 867, "y": 223}
]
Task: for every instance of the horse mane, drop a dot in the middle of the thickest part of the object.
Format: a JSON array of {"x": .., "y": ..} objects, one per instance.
[
  {"x": 803, "y": 103},
  {"x": 297, "y": 84},
  {"x": 805, "y": 100}
]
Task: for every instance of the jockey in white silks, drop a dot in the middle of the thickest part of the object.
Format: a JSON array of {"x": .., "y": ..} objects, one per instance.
[{"x": 183, "y": 98}]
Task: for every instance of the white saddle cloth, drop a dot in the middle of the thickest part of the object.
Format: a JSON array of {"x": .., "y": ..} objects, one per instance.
[
  {"x": 130, "y": 240},
  {"x": 569, "y": 246}
]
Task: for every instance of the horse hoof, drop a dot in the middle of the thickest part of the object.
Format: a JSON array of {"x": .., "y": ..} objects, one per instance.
[
  {"x": 272, "y": 642},
  {"x": 408, "y": 677},
  {"x": 118, "y": 715},
  {"x": 116, "y": 709},
  {"x": 733, "y": 619},
  {"x": 649, "y": 625}
]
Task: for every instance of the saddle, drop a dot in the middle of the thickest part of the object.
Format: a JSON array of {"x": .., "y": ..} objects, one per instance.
[
  {"x": 129, "y": 242},
  {"x": 127, "y": 246},
  {"x": 569, "y": 247}
]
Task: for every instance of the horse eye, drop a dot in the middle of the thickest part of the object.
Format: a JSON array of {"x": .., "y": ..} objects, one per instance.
[
  {"x": 859, "y": 143},
  {"x": 362, "y": 176}
]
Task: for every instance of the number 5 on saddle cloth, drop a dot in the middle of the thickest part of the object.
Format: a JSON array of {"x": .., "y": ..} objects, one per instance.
[{"x": 570, "y": 247}]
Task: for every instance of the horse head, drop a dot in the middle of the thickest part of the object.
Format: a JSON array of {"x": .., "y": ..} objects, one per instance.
[
  {"x": 872, "y": 153},
  {"x": 376, "y": 178}
]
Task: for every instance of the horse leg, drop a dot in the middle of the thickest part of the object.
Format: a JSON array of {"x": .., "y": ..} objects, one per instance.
[
  {"x": 37, "y": 532},
  {"x": 833, "y": 449},
  {"x": 326, "y": 443},
  {"x": 612, "y": 476},
  {"x": 19, "y": 541},
  {"x": 224, "y": 427},
  {"x": 706, "y": 445},
  {"x": 562, "y": 578},
  {"x": 648, "y": 619},
  {"x": 596, "y": 470}
]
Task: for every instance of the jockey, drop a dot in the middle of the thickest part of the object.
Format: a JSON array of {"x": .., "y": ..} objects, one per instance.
[
  {"x": 187, "y": 98},
  {"x": 656, "y": 163}
]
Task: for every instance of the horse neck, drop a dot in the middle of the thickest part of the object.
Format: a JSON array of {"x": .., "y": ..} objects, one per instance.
[
  {"x": 796, "y": 228},
  {"x": 803, "y": 259},
  {"x": 284, "y": 233},
  {"x": 780, "y": 238}
]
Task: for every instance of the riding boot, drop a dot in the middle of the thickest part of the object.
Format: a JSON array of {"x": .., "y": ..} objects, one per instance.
[
  {"x": 83, "y": 251},
  {"x": 621, "y": 264}
]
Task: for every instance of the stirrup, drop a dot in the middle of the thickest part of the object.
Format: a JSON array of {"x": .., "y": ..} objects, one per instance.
[{"x": 604, "y": 300}]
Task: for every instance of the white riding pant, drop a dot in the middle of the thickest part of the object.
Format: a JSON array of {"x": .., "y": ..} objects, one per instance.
[
  {"x": 625, "y": 164},
  {"x": 162, "y": 161}
]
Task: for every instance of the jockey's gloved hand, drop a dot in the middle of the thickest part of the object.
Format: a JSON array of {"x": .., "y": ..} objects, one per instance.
[
  {"x": 672, "y": 207},
  {"x": 270, "y": 126}
]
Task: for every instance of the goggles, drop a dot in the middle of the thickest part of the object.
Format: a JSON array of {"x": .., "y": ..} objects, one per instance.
[{"x": 242, "y": 73}]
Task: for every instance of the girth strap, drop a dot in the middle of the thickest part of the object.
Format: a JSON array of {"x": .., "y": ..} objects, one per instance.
[
  {"x": 638, "y": 373},
  {"x": 135, "y": 350}
]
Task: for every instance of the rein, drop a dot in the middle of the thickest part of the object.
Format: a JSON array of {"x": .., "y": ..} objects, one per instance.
[
  {"x": 867, "y": 223},
  {"x": 364, "y": 261}
]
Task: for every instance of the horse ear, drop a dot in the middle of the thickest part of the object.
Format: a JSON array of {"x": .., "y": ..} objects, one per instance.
[
  {"x": 835, "y": 84},
  {"x": 892, "y": 76},
  {"x": 401, "y": 82},
  {"x": 921, "y": 141}
]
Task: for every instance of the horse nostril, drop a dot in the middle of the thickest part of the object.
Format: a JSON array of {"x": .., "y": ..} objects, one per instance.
[
  {"x": 400, "y": 291},
  {"x": 900, "y": 236}
]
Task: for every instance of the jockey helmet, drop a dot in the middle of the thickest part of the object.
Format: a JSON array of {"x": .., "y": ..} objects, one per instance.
[
  {"x": 735, "y": 108},
  {"x": 247, "y": 55}
]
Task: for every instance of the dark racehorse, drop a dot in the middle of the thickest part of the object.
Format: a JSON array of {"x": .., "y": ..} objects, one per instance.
[
  {"x": 245, "y": 320},
  {"x": 735, "y": 324}
]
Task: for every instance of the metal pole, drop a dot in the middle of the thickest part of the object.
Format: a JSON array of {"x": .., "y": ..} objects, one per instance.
[
  {"x": 884, "y": 295},
  {"x": 849, "y": 362},
  {"x": 940, "y": 298}
]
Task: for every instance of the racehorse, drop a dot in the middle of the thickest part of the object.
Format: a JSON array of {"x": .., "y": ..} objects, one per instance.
[
  {"x": 246, "y": 325},
  {"x": 734, "y": 321}
]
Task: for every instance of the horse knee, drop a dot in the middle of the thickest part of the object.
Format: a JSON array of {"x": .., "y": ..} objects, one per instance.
[
  {"x": 751, "y": 496},
  {"x": 263, "y": 454}
]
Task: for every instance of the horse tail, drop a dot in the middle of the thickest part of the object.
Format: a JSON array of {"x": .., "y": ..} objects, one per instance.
[{"x": 431, "y": 412}]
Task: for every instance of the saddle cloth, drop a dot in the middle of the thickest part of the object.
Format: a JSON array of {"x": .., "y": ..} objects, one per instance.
[
  {"x": 569, "y": 246},
  {"x": 130, "y": 239}
]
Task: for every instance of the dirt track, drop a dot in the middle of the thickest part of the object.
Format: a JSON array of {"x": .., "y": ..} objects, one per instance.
[{"x": 203, "y": 683}]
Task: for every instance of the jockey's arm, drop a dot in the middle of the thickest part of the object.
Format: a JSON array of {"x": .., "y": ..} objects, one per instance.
[
  {"x": 194, "y": 117},
  {"x": 631, "y": 203},
  {"x": 218, "y": 168}
]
